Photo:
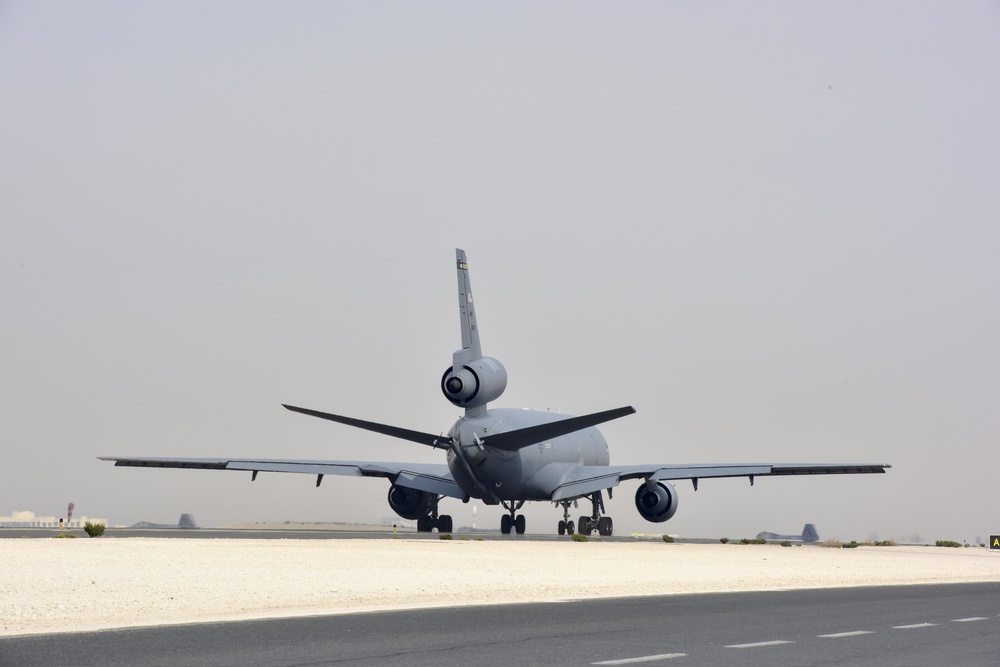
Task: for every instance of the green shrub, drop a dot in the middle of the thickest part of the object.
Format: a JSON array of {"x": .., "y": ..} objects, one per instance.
[
  {"x": 94, "y": 529},
  {"x": 65, "y": 535},
  {"x": 577, "y": 537},
  {"x": 947, "y": 543},
  {"x": 724, "y": 540},
  {"x": 786, "y": 543},
  {"x": 668, "y": 539},
  {"x": 849, "y": 545},
  {"x": 757, "y": 540},
  {"x": 444, "y": 536}
]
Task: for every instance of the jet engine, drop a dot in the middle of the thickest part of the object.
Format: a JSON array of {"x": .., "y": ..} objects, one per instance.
[
  {"x": 477, "y": 383},
  {"x": 657, "y": 504},
  {"x": 409, "y": 503}
]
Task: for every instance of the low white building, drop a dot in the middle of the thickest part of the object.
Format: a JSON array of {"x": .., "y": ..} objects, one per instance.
[{"x": 27, "y": 519}]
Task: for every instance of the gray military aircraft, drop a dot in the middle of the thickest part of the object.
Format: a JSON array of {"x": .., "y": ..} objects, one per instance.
[{"x": 506, "y": 456}]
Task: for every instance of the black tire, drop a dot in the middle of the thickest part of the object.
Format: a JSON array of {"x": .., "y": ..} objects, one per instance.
[
  {"x": 505, "y": 524},
  {"x": 584, "y": 525},
  {"x": 423, "y": 524},
  {"x": 445, "y": 524},
  {"x": 605, "y": 526},
  {"x": 562, "y": 527},
  {"x": 570, "y": 528},
  {"x": 519, "y": 524}
]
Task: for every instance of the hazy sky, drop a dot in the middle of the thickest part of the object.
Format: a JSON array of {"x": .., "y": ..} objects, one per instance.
[{"x": 773, "y": 228}]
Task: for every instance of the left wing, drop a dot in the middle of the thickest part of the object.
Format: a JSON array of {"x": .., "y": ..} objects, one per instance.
[
  {"x": 583, "y": 480},
  {"x": 429, "y": 477}
]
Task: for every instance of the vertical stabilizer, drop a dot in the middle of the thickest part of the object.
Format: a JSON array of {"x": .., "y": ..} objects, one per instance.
[
  {"x": 471, "y": 349},
  {"x": 473, "y": 380}
]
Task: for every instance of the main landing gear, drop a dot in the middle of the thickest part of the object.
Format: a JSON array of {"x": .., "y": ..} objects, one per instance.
[
  {"x": 512, "y": 520},
  {"x": 588, "y": 524},
  {"x": 431, "y": 520}
]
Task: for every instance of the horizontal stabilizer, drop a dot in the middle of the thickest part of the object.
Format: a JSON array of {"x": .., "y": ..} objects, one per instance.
[
  {"x": 429, "y": 439},
  {"x": 525, "y": 437}
]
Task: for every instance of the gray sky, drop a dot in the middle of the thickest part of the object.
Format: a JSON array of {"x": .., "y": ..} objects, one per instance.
[{"x": 772, "y": 228}]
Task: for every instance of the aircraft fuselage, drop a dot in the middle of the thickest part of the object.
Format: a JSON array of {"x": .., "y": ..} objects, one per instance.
[{"x": 530, "y": 473}]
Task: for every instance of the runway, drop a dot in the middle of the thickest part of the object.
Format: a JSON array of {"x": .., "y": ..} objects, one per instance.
[{"x": 897, "y": 625}]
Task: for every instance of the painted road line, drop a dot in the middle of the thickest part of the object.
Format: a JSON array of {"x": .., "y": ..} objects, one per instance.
[
  {"x": 915, "y": 625},
  {"x": 969, "y": 620},
  {"x": 645, "y": 658},
  {"x": 777, "y": 642},
  {"x": 853, "y": 633}
]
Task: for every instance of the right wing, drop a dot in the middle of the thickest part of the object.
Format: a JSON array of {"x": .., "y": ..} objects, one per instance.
[
  {"x": 583, "y": 480},
  {"x": 429, "y": 477}
]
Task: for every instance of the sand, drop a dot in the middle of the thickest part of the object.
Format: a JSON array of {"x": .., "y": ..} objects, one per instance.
[{"x": 53, "y": 585}]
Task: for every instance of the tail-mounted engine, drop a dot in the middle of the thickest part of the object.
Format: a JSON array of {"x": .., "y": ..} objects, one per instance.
[
  {"x": 657, "y": 504},
  {"x": 480, "y": 381},
  {"x": 409, "y": 503}
]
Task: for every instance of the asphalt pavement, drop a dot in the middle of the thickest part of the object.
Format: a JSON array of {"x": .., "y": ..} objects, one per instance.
[{"x": 897, "y": 625}]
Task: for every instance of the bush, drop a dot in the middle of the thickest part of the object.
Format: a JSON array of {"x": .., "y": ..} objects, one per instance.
[
  {"x": 444, "y": 536},
  {"x": 947, "y": 543},
  {"x": 833, "y": 544},
  {"x": 786, "y": 543},
  {"x": 577, "y": 537},
  {"x": 850, "y": 545},
  {"x": 94, "y": 529},
  {"x": 60, "y": 536},
  {"x": 724, "y": 540},
  {"x": 668, "y": 539},
  {"x": 757, "y": 540}
]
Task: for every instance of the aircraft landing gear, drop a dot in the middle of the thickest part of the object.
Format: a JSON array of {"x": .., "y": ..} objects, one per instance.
[
  {"x": 603, "y": 524},
  {"x": 431, "y": 520},
  {"x": 566, "y": 526},
  {"x": 512, "y": 520}
]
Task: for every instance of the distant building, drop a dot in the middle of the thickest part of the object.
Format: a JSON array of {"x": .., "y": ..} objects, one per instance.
[{"x": 29, "y": 520}]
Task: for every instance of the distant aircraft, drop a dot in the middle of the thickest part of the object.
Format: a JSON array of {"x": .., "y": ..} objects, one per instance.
[
  {"x": 809, "y": 534},
  {"x": 505, "y": 456}
]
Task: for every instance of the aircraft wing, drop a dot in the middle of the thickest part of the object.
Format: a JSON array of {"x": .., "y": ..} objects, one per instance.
[
  {"x": 429, "y": 477},
  {"x": 583, "y": 480}
]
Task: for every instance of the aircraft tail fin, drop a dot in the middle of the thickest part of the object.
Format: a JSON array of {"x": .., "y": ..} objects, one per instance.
[
  {"x": 471, "y": 348},
  {"x": 809, "y": 533},
  {"x": 473, "y": 380}
]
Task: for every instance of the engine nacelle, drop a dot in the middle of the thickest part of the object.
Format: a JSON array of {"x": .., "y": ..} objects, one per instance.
[
  {"x": 479, "y": 382},
  {"x": 656, "y": 505},
  {"x": 409, "y": 503}
]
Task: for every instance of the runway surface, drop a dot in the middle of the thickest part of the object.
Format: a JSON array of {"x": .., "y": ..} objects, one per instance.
[{"x": 898, "y": 625}]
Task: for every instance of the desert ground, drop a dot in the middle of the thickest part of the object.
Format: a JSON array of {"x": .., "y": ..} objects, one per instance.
[{"x": 65, "y": 585}]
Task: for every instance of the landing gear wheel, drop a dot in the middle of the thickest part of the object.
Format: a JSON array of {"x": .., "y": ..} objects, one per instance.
[
  {"x": 444, "y": 523},
  {"x": 505, "y": 524},
  {"x": 562, "y": 527},
  {"x": 423, "y": 524},
  {"x": 519, "y": 524},
  {"x": 605, "y": 526},
  {"x": 585, "y": 525},
  {"x": 570, "y": 528}
]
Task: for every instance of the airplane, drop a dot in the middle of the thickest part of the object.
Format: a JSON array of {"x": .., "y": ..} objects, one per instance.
[
  {"x": 505, "y": 456},
  {"x": 809, "y": 534}
]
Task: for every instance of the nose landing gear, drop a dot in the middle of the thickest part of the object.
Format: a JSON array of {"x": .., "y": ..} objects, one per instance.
[{"x": 512, "y": 520}]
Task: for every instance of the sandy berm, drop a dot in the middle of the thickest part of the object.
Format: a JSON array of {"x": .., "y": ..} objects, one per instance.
[{"x": 51, "y": 585}]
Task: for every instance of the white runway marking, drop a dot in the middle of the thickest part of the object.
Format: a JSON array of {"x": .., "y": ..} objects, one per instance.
[
  {"x": 853, "y": 633},
  {"x": 777, "y": 642},
  {"x": 915, "y": 625},
  {"x": 970, "y": 619},
  {"x": 645, "y": 658}
]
